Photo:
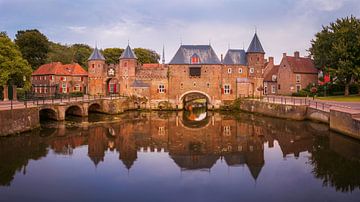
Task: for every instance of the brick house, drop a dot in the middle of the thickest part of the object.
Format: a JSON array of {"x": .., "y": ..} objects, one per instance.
[
  {"x": 57, "y": 78},
  {"x": 295, "y": 73},
  {"x": 270, "y": 77},
  {"x": 195, "y": 69}
]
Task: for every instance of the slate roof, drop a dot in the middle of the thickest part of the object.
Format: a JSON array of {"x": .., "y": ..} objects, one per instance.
[
  {"x": 235, "y": 57},
  {"x": 205, "y": 52},
  {"x": 96, "y": 55},
  {"x": 57, "y": 68},
  {"x": 302, "y": 65},
  {"x": 128, "y": 54},
  {"x": 139, "y": 84},
  {"x": 255, "y": 45},
  {"x": 273, "y": 71}
]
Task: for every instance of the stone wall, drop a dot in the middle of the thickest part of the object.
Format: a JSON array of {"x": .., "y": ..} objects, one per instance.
[
  {"x": 318, "y": 115},
  {"x": 346, "y": 122},
  {"x": 18, "y": 120},
  {"x": 274, "y": 110}
]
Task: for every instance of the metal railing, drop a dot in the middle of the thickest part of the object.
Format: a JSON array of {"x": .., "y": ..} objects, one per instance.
[
  {"x": 306, "y": 101},
  {"x": 37, "y": 101}
]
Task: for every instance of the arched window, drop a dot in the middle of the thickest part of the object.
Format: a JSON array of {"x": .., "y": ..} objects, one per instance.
[{"x": 195, "y": 59}]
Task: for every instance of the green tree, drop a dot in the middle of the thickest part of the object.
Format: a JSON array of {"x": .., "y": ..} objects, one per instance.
[
  {"x": 33, "y": 45},
  {"x": 112, "y": 55},
  {"x": 59, "y": 53},
  {"x": 12, "y": 66},
  {"x": 81, "y": 53},
  {"x": 336, "y": 49},
  {"x": 146, "y": 55}
]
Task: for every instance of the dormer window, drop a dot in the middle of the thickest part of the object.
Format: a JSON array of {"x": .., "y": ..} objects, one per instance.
[
  {"x": 273, "y": 78},
  {"x": 195, "y": 59}
]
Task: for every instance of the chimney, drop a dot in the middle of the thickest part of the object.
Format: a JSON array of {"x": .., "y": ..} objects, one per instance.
[
  {"x": 271, "y": 60},
  {"x": 222, "y": 59},
  {"x": 284, "y": 54},
  {"x": 297, "y": 54}
]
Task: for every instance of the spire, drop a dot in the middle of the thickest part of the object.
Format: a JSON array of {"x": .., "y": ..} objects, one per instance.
[
  {"x": 255, "y": 45},
  {"x": 96, "y": 55},
  {"x": 163, "y": 55},
  {"x": 128, "y": 54}
]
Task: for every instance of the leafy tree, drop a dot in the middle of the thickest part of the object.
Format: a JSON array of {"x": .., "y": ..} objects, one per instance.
[
  {"x": 146, "y": 55},
  {"x": 12, "y": 66},
  {"x": 33, "y": 45},
  {"x": 336, "y": 49},
  {"x": 81, "y": 52},
  {"x": 112, "y": 55},
  {"x": 59, "y": 53}
]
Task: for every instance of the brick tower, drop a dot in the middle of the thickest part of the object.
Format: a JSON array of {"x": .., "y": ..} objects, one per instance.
[
  {"x": 255, "y": 59},
  {"x": 97, "y": 73},
  {"x": 127, "y": 64}
]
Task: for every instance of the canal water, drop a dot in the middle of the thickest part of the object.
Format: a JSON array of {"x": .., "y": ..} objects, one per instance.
[{"x": 180, "y": 156}]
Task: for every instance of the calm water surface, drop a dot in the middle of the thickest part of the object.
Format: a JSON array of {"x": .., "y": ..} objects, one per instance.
[{"x": 159, "y": 156}]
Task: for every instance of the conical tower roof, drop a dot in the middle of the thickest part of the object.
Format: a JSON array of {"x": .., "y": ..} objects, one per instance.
[
  {"x": 255, "y": 45},
  {"x": 96, "y": 55},
  {"x": 128, "y": 54}
]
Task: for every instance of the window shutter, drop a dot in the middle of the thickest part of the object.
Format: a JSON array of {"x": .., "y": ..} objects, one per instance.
[
  {"x": 80, "y": 88},
  {"x": 231, "y": 91},
  {"x": 158, "y": 90},
  {"x": 60, "y": 90},
  {"x": 222, "y": 90},
  {"x": 67, "y": 89},
  {"x": 164, "y": 90}
]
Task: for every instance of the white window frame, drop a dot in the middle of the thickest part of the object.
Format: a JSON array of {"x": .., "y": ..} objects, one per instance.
[
  {"x": 240, "y": 70},
  {"x": 77, "y": 87},
  {"x": 227, "y": 130},
  {"x": 298, "y": 78},
  {"x": 64, "y": 89},
  {"x": 252, "y": 70},
  {"x": 273, "y": 89},
  {"x": 227, "y": 89},
  {"x": 265, "y": 90},
  {"x": 229, "y": 70},
  {"x": 161, "y": 88},
  {"x": 296, "y": 88},
  {"x": 273, "y": 77}
]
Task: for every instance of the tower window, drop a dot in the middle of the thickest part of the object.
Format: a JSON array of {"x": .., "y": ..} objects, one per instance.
[
  {"x": 229, "y": 71},
  {"x": 161, "y": 88},
  {"x": 195, "y": 71},
  {"x": 240, "y": 71},
  {"x": 251, "y": 70},
  {"x": 208, "y": 85},
  {"x": 227, "y": 89},
  {"x": 195, "y": 59}
]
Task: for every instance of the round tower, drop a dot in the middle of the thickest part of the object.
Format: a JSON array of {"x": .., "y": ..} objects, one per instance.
[{"x": 97, "y": 73}]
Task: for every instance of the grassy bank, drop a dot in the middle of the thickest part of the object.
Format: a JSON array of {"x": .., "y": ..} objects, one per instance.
[{"x": 351, "y": 98}]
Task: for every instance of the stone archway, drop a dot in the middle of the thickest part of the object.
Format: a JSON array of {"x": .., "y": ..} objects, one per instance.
[
  {"x": 94, "y": 107},
  {"x": 112, "y": 86},
  {"x": 194, "y": 94},
  {"x": 48, "y": 113},
  {"x": 74, "y": 110}
]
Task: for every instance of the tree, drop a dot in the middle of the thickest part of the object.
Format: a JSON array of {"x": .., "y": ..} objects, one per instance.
[
  {"x": 81, "y": 53},
  {"x": 336, "y": 49},
  {"x": 59, "y": 53},
  {"x": 146, "y": 55},
  {"x": 112, "y": 55},
  {"x": 33, "y": 45},
  {"x": 12, "y": 66}
]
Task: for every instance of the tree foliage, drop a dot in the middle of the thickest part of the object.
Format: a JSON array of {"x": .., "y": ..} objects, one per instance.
[
  {"x": 33, "y": 45},
  {"x": 112, "y": 55},
  {"x": 146, "y": 55},
  {"x": 336, "y": 49},
  {"x": 66, "y": 54},
  {"x": 12, "y": 66}
]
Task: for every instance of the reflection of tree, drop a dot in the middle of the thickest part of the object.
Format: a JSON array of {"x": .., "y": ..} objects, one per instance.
[
  {"x": 15, "y": 153},
  {"x": 333, "y": 169}
]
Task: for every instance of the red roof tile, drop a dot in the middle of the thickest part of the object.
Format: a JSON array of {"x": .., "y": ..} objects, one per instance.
[
  {"x": 302, "y": 65},
  {"x": 56, "y": 68},
  {"x": 273, "y": 71}
]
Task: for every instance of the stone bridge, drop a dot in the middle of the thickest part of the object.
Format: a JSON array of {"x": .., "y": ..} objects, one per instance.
[{"x": 59, "y": 111}]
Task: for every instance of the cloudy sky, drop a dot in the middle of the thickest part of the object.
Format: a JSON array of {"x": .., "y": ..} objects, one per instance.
[{"x": 282, "y": 25}]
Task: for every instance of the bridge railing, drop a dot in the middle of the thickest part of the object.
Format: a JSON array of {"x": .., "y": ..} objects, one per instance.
[
  {"x": 36, "y": 101},
  {"x": 308, "y": 101}
]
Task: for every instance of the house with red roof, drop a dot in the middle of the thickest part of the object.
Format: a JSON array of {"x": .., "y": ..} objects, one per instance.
[
  {"x": 57, "y": 78},
  {"x": 270, "y": 77},
  {"x": 295, "y": 73}
]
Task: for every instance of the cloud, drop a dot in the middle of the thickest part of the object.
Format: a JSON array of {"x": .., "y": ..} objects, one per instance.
[{"x": 324, "y": 5}]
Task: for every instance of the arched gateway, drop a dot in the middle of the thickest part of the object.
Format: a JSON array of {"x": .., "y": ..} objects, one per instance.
[{"x": 193, "y": 95}]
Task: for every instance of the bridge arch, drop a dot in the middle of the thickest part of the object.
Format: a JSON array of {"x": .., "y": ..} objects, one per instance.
[
  {"x": 194, "y": 92},
  {"x": 74, "y": 110},
  {"x": 94, "y": 107},
  {"x": 48, "y": 113}
]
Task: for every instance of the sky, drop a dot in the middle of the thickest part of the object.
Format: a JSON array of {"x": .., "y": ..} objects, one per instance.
[{"x": 283, "y": 26}]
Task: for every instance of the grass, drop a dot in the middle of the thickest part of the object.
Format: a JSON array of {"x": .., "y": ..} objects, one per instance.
[{"x": 351, "y": 98}]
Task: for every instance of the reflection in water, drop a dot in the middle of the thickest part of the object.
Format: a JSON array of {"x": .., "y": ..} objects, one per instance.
[{"x": 201, "y": 145}]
